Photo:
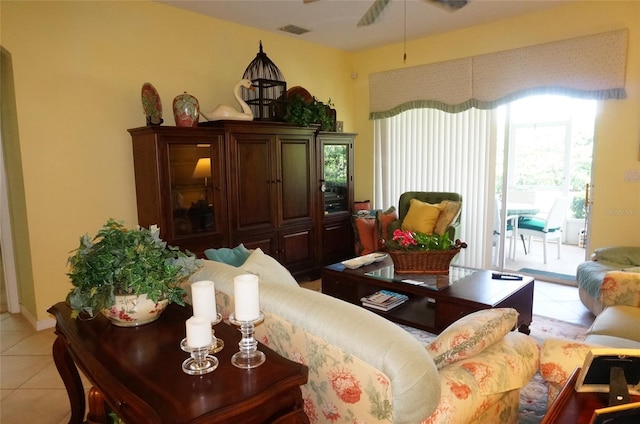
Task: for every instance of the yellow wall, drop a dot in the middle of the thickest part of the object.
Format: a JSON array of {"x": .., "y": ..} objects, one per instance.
[
  {"x": 616, "y": 210},
  {"x": 78, "y": 70},
  {"x": 79, "y": 67}
]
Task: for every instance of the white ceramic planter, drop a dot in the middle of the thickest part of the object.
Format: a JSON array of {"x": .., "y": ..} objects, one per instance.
[{"x": 132, "y": 311}]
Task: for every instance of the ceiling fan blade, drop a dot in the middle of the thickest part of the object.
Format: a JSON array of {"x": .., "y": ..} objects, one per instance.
[
  {"x": 308, "y": 1},
  {"x": 373, "y": 12}
]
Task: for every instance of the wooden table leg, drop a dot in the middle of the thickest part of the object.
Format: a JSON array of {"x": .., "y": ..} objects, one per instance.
[{"x": 71, "y": 378}]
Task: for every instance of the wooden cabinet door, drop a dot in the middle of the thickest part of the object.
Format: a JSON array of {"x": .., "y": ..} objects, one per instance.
[
  {"x": 294, "y": 182},
  {"x": 254, "y": 208},
  {"x": 335, "y": 185},
  {"x": 180, "y": 185},
  {"x": 297, "y": 250}
]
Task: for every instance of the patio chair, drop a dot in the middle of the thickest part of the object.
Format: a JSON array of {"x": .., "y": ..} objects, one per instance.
[{"x": 548, "y": 229}]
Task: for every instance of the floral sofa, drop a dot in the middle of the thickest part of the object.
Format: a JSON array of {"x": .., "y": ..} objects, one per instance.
[
  {"x": 590, "y": 275},
  {"x": 363, "y": 368},
  {"x": 618, "y": 326}
]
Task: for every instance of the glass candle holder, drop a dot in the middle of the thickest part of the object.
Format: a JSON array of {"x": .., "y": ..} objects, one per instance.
[
  {"x": 201, "y": 361},
  {"x": 248, "y": 356},
  {"x": 218, "y": 344}
]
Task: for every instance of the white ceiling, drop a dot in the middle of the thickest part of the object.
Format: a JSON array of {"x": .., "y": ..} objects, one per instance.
[{"x": 333, "y": 22}]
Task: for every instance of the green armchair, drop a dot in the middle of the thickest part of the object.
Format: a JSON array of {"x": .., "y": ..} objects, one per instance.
[{"x": 433, "y": 197}]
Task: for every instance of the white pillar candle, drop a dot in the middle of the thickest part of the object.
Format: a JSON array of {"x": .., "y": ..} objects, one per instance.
[
  {"x": 198, "y": 332},
  {"x": 203, "y": 298},
  {"x": 247, "y": 297}
]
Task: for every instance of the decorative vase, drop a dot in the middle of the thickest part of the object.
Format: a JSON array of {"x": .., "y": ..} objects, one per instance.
[
  {"x": 186, "y": 110},
  {"x": 131, "y": 310}
]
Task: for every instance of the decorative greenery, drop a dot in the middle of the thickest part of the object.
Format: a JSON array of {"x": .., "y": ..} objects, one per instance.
[
  {"x": 122, "y": 261},
  {"x": 415, "y": 241},
  {"x": 577, "y": 207},
  {"x": 304, "y": 113}
]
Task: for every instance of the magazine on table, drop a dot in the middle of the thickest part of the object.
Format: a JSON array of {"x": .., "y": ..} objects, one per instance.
[{"x": 384, "y": 300}]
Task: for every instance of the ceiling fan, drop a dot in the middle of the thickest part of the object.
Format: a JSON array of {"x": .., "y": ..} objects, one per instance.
[{"x": 378, "y": 6}]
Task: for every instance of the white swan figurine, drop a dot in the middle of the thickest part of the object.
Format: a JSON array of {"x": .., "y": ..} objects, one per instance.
[{"x": 228, "y": 112}]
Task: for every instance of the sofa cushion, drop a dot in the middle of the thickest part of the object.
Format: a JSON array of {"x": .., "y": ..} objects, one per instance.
[
  {"x": 383, "y": 219},
  {"x": 611, "y": 341},
  {"x": 365, "y": 233},
  {"x": 268, "y": 269},
  {"x": 421, "y": 217},
  {"x": 617, "y": 321},
  {"x": 234, "y": 257},
  {"x": 622, "y": 255},
  {"x": 450, "y": 212},
  {"x": 535, "y": 224},
  {"x": 471, "y": 334}
]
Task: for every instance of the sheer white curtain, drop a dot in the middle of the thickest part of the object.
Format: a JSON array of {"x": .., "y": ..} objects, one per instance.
[{"x": 431, "y": 150}]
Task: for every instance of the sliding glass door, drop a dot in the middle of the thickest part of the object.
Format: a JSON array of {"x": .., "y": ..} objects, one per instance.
[
  {"x": 517, "y": 158},
  {"x": 544, "y": 151}
]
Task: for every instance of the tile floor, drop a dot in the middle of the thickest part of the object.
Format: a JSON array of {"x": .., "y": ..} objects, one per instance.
[{"x": 32, "y": 391}]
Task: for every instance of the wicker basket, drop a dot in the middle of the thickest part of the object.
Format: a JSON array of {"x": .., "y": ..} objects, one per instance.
[{"x": 423, "y": 262}]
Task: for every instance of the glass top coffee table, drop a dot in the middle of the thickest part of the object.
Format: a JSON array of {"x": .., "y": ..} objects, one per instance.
[{"x": 435, "y": 301}]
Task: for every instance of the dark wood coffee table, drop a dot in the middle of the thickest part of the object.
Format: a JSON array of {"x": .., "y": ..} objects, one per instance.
[
  {"x": 137, "y": 373},
  {"x": 439, "y": 300}
]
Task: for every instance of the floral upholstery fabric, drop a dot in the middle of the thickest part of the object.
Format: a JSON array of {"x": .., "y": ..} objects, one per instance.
[
  {"x": 471, "y": 335},
  {"x": 558, "y": 359},
  {"x": 365, "y": 369},
  {"x": 621, "y": 288},
  {"x": 472, "y": 389},
  {"x": 341, "y": 387}
]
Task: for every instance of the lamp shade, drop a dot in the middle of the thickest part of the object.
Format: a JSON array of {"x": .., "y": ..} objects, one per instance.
[{"x": 203, "y": 168}]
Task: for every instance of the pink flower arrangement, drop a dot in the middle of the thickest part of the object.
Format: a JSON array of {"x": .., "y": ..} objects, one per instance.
[{"x": 416, "y": 241}]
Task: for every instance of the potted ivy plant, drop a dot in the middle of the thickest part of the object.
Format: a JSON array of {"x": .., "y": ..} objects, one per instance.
[
  {"x": 129, "y": 275},
  {"x": 304, "y": 113}
]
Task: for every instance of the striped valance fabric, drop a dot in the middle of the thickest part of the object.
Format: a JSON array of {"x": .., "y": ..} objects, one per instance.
[{"x": 590, "y": 67}]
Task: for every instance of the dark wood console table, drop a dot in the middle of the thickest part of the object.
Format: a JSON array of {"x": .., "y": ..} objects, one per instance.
[
  {"x": 137, "y": 373},
  {"x": 440, "y": 301}
]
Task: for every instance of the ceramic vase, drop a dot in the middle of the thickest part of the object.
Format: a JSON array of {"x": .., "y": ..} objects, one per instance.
[
  {"x": 132, "y": 310},
  {"x": 186, "y": 110}
]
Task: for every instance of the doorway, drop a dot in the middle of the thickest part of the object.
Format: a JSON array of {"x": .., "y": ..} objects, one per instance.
[{"x": 545, "y": 152}]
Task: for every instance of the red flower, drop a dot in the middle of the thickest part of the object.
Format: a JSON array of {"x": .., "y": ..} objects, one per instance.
[
  {"x": 330, "y": 412},
  {"x": 310, "y": 408},
  {"x": 405, "y": 238},
  {"x": 345, "y": 385},
  {"x": 553, "y": 372},
  {"x": 461, "y": 391}
]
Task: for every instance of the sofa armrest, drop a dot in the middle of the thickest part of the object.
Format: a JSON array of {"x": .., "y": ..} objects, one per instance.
[
  {"x": 558, "y": 359},
  {"x": 621, "y": 288},
  {"x": 468, "y": 386}
]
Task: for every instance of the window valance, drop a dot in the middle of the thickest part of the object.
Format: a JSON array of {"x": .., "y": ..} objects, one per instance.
[{"x": 590, "y": 67}]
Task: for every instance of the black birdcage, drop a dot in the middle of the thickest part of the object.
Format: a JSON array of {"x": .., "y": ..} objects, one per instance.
[{"x": 268, "y": 101}]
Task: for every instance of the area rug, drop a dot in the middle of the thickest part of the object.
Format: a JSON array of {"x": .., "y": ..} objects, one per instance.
[{"x": 533, "y": 397}]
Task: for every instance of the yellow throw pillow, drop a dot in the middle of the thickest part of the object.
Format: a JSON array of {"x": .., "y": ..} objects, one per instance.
[
  {"x": 421, "y": 217},
  {"x": 450, "y": 212}
]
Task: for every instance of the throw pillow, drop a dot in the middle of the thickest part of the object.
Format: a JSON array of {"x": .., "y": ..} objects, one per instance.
[
  {"x": 471, "y": 334},
  {"x": 450, "y": 212},
  {"x": 268, "y": 269},
  {"x": 421, "y": 217},
  {"x": 366, "y": 240},
  {"x": 362, "y": 206},
  {"x": 234, "y": 257},
  {"x": 383, "y": 219}
]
